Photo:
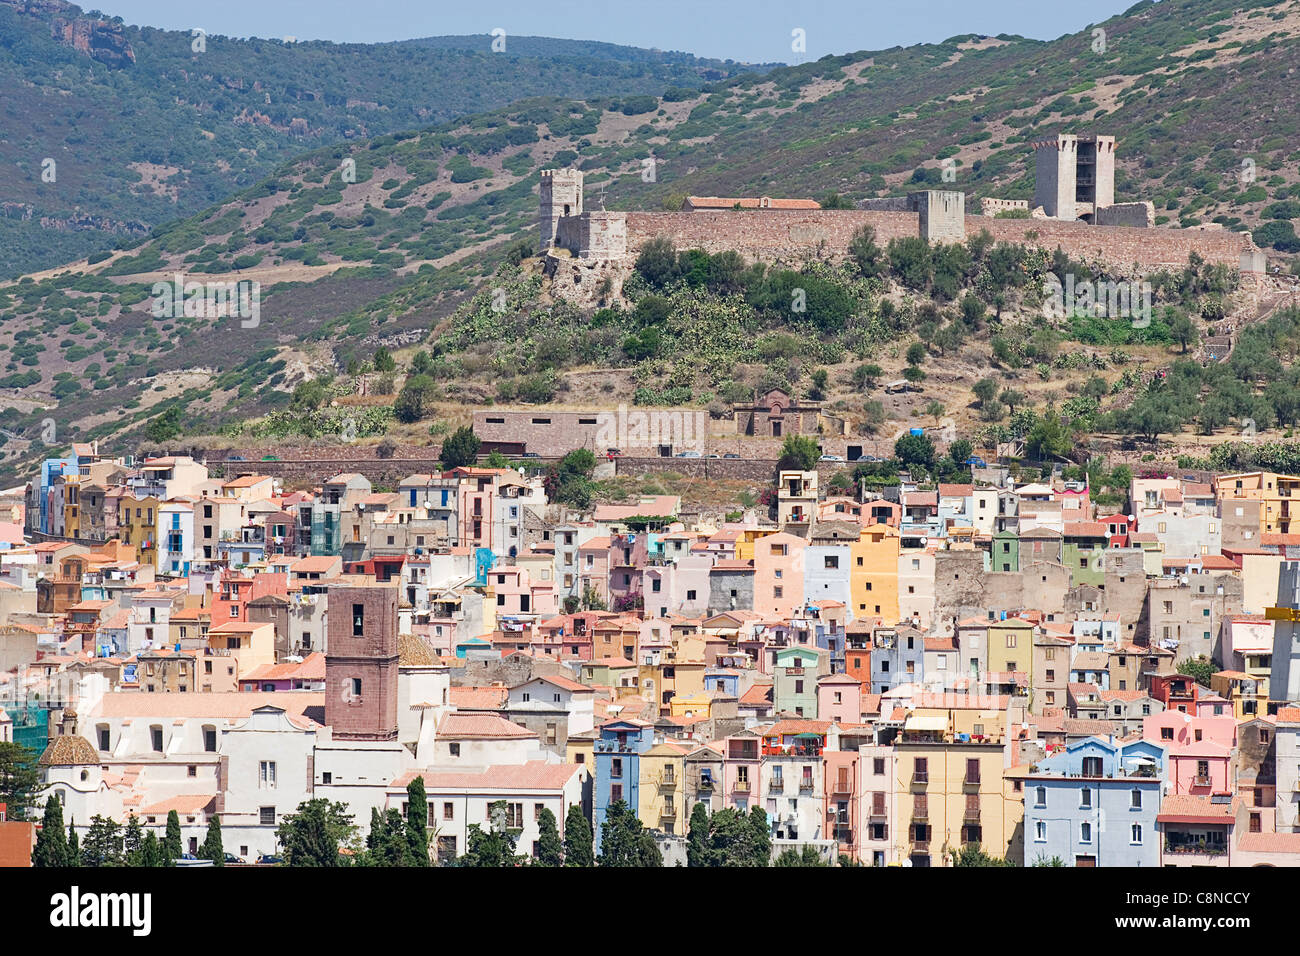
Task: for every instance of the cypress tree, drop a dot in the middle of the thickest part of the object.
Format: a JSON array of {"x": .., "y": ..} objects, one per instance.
[
  {"x": 577, "y": 839},
  {"x": 132, "y": 841},
  {"x": 212, "y": 848},
  {"x": 417, "y": 823},
  {"x": 760, "y": 838},
  {"x": 74, "y": 845},
  {"x": 172, "y": 842},
  {"x": 697, "y": 842},
  {"x": 550, "y": 851},
  {"x": 51, "y": 842}
]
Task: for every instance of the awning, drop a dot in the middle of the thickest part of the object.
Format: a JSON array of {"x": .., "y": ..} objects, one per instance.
[{"x": 926, "y": 722}]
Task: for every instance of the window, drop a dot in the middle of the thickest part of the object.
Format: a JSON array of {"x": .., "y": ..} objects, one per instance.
[
  {"x": 1135, "y": 834},
  {"x": 266, "y": 775},
  {"x": 878, "y": 766},
  {"x": 266, "y": 816},
  {"x": 1085, "y": 799},
  {"x": 454, "y": 749},
  {"x": 832, "y": 561},
  {"x": 156, "y": 738},
  {"x": 1085, "y": 832},
  {"x": 1040, "y": 831},
  {"x": 210, "y": 739},
  {"x": 448, "y": 811},
  {"x": 1040, "y": 797},
  {"x": 356, "y": 689},
  {"x": 358, "y": 620},
  {"x": 1135, "y": 799}
]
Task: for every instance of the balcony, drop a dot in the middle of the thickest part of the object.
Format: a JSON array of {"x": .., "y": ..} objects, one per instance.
[
  {"x": 668, "y": 779},
  {"x": 706, "y": 784},
  {"x": 741, "y": 786},
  {"x": 778, "y": 785},
  {"x": 877, "y": 812},
  {"x": 843, "y": 786},
  {"x": 972, "y": 815},
  {"x": 806, "y": 785},
  {"x": 971, "y": 783},
  {"x": 921, "y": 778},
  {"x": 1201, "y": 781},
  {"x": 920, "y": 813}
]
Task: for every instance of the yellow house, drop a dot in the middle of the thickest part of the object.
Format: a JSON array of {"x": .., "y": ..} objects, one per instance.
[
  {"x": 873, "y": 574},
  {"x": 698, "y": 705},
  {"x": 137, "y": 524},
  {"x": 1011, "y": 646},
  {"x": 663, "y": 793},
  {"x": 745, "y": 542},
  {"x": 581, "y": 748},
  {"x": 1275, "y": 494},
  {"x": 951, "y": 794},
  {"x": 250, "y": 643}
]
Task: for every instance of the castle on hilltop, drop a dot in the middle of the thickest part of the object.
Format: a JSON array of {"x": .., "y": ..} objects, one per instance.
[{"x": 588, "y": 254}]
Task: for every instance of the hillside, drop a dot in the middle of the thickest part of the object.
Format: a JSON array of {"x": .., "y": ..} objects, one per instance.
[
  {"x": 146, "y": 125},
  {"x": 348, "y": 266}
]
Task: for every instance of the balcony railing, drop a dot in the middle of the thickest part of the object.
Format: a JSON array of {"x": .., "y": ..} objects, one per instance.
[
  {"x": 806, "y": 785},
  {"x": 1201, "y": 781},
  {"x": 742, "y": 786},
  {"x": 972, "y": 815},
  {"x": 1207, "y": 849},
  {"x": 921, "y": 778},
  {"x": 920, "y": 813},
  {"x": 778, "y": 785},
  {"x": 843, "y": 786}
]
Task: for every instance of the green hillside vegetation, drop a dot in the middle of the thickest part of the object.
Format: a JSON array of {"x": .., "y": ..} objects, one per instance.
[
  {"x": 139, "y": 144},
  {"x": 440, "y": 216}
]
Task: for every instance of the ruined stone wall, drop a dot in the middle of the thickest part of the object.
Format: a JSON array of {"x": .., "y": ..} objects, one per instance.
[
  {"x": 991, "y": 207},
  {"x": 1139, "y": 214},
  {"x": 782, "y": 235}
]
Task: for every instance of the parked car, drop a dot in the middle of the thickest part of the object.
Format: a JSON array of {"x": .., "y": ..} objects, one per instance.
[
  {"x": 231, "y": 858},
  {"x": 613, "y": 452},
  {"x": 868, "y": 458},
  {"x": 830, "y": 458},
  {"x": 530, "y": 454},
  {"x": 687, "y": 454},
  {"x": 731, "y": 454},
  {"x": 977, "y": 461},
  {"x": 268, "y": 860},
  {"x": 236, "y": 458},
  {"x": 714, "y": 456},
  {"x": 270, "y": 458}
]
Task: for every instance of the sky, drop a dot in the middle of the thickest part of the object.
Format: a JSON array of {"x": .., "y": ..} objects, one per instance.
[{"x": 746, "y": 30}]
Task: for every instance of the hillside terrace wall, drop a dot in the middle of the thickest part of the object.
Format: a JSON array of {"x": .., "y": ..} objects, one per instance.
[{"x": 770, "y": 234}]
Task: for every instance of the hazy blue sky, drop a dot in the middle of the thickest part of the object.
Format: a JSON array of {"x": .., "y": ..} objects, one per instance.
[{"x": 752, "y": 30}]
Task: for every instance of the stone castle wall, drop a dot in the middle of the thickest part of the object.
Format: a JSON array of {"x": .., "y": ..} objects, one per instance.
[{"x": 790, "y": 235}]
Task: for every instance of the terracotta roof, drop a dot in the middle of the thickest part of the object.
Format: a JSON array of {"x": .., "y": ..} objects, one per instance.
[
  {"x": 1122, "y": 694},
  {"x": 533, "y": 775},
  {"x": 69, "y": 750},
  {"x": 955, "y": 491},
  {"x": 757, "y": 694},
  {"x": 190, "y": 803},
  {"x": 311, "y": 667},
  {"x": 1270, "y": 843},
  {"x": 477, "y": 698},
  {"x": 1085, "y": 529},
  {"x": 1194, "y": 808},
  {"x": 481, "y": 727},
  {"x": 230, "y": 705},
  {"x": 414, "y": 652}
]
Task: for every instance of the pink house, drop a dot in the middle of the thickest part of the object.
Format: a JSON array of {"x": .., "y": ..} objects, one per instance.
[
  {"x": 677, "y": 587},
  {"x": 742, "y": 760},
  {"x": 517, "y": 595},
  {"x": 778, "y": 574},
  {"x": 1199, "y": 749},
  {"x": 593, "y": 567},
  {"x": 839, "y": 699}
]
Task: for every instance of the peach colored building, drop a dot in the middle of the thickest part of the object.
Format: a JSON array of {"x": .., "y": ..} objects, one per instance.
[{"x": 778, "y": 574}]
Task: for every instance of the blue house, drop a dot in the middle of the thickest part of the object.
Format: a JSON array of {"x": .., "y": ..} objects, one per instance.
[
  {"x": 617, "y": 756},
  {"x": 1095, "y": 804},
  {"x": 897, "y": 657},
  {"x": 722, "y": 679}
]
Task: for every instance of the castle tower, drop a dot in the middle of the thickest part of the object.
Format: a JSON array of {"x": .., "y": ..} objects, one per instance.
[
  {"x": 361, "y": 662},
  {"x": 560, "y": 196},
  {"x": 1074, "y": 175}
]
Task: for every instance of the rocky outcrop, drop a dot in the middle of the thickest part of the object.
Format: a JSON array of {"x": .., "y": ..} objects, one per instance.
[{"x": 101, "y": 40}]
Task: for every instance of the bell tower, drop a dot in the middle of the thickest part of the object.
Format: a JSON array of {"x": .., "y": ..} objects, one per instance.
[{"x": 361, "y": 662}]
